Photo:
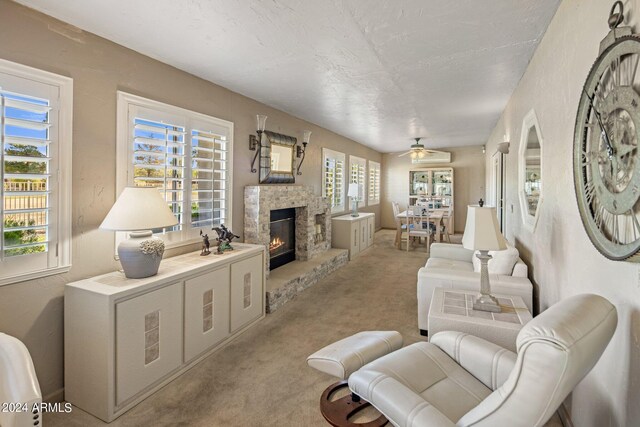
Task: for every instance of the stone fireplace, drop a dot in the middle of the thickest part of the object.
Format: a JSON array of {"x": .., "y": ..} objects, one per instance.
[
  {"x": 271, "y": 214},
  {"x": 310, "y": 209}
]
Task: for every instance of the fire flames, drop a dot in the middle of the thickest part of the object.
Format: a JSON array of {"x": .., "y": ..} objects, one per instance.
[{"x": 275, "y": 244}]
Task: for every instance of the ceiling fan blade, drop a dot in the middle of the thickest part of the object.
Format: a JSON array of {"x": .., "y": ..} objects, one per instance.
[{"x": 404, "y": 154}]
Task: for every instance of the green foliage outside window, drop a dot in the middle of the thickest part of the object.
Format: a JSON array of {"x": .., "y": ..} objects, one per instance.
[{"x": 21, "y": 237}]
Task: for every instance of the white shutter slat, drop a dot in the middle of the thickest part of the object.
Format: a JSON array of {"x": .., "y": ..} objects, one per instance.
[
  {"x": 31, "y": 107},
  {"x": 15, "y": 140},
  {"x": 158, "y": 142},
  {"x": 161, "y": 128},
  {"x": 26, "y": 159},
  {"x": 26, "y": 124}
]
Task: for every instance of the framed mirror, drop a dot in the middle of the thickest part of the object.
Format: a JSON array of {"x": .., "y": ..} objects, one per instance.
[
  {"x": 277, "y": 158},
  {"x": 530, "y": 170}
]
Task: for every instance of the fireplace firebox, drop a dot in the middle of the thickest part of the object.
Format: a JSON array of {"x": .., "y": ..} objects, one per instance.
[{"x": 282, "y": 243}]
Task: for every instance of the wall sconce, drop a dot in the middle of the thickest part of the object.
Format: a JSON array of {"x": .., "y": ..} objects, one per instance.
[
  {"x": 255, "y": 143},
  {"x": 300, "y": 151}
]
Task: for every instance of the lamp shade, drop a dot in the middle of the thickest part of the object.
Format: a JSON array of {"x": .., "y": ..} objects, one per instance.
[
  {"x": 482, "y": 231},
  {"x": 354, "y": 190},
  {"x": 261, "y": 122},
  {"x": 139, "y": 208},
  {"x": 306, "y": 136}
]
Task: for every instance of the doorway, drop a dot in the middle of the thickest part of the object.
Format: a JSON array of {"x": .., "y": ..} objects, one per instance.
[{"x": 498, "y": 171}]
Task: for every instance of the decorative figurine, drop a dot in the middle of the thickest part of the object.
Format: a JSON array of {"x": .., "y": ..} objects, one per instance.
[
  {"x": 205, "y": 244},
  {"x": 225, "y": 236}
]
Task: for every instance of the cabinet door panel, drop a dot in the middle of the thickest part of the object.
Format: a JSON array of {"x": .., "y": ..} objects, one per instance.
[
  {"x": 364, "y": 233},
  {"x": 355, "y": 239},
  {"x": 206, "y": 311},
  {"x": 148, "y": 339},
  {"x": 371, "y": 224},
  {"x": 247, "y": 297}
]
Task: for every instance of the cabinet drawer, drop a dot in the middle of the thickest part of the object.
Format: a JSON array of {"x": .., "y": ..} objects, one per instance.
[
  {"x": 247, "y": 298},
  {"x": 206, "y": 312},
  {"x": 148, "y": 339}
]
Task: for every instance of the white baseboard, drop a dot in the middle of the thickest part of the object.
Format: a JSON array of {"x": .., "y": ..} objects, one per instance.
[{"x": 55, "y": 397}]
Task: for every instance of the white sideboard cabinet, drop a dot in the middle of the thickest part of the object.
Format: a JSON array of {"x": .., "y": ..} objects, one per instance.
[
  {"x": 126, "y": 338},
  {"x": 353, "y": 233}
]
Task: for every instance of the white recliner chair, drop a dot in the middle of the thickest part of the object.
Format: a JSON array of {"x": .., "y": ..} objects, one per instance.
[
  {"x": 18, "y": 385},
  {"x": 461, "y": 380}
]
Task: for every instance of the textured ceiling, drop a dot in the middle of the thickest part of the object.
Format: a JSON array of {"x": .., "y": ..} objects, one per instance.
[{"x": 377, "y": 71}]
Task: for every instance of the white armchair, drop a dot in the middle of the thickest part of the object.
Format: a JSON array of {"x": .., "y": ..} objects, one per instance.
[
  {"x": 451, "y": 266},
  {"x": 460, "y": 380},
  {"x": 18, "y": 384}
]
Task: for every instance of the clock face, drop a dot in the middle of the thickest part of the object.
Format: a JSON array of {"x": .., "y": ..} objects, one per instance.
[{"x": 606, "y": 160}]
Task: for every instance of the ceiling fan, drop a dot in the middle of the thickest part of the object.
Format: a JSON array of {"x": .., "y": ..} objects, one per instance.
[{"x": 418, "y": 151}]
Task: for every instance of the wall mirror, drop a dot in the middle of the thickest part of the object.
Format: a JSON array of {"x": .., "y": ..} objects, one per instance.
[
  {"x": 277, "y": 158},
  {"x": 530, "y": 170}
]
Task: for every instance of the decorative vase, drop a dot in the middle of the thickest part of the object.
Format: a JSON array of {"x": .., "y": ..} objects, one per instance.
[{"x": 140, "y": 254}]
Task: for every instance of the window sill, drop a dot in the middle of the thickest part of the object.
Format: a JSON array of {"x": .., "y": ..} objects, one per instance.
[{"x": 34, "y": 275}]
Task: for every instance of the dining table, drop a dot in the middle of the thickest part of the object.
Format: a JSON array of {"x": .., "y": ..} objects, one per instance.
[{"x": 436, "y": 217}]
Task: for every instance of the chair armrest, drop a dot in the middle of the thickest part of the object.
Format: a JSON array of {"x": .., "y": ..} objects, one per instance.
[
  {"x": 401, "y": 405},
  {"x": 520, "y": 269},
  {"x": 450, "y": 251},
  {"x": 486, "y": 361},
  {"x": 18, "y": 381}
]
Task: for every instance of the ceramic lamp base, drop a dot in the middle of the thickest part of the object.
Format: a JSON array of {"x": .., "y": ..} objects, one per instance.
[
  {"x": 140, "y": 255},
  {"x": 354, "y": 208},
  {"x": 486, "y": 301}
]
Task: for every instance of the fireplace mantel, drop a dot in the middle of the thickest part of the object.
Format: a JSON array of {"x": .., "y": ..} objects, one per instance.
[{"x": 311, "y": 209}]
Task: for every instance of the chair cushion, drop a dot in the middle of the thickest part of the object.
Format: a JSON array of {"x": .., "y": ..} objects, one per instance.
[
  {"x": 449, "y": 264},
  {"x": 502, "y": 262},
  {"x": 346, "y": 356},
  {"x": 428, "y": 372}
]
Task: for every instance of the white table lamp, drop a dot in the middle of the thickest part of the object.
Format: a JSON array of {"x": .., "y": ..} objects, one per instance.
[
  {"x": 139, "y": 210},
  {"x": 354, "y": 193},
  {"x": 482, "y": 233}
]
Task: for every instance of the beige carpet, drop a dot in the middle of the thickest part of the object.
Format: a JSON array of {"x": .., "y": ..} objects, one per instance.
[{"x": 261, "y": 378}]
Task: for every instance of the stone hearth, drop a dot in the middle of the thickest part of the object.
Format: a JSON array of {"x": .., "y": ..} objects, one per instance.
[{"x": 313, "y": 213}]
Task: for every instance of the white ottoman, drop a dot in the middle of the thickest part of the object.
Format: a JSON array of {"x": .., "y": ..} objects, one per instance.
[{"x": 341, "y": 359}]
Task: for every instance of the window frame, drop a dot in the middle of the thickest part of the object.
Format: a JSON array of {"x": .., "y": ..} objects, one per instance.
[
  {"x": 124, "y": 165},
  {"x": 61, "y": 177},
  {"x": 375, "y": 200},
  {"x": 328, "y": 153},
  {"x": 361, "y": 162}
]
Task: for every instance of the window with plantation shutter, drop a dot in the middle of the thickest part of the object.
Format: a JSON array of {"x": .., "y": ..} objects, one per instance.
[
  {"x": 333, "y": 171},
  {"x": 35, "y": 134},
  {"x": 210, "y": 182},
  {"x": 374, "y": 183},
  {"x": 185, "y": 155},
  {"x": 357, "y": 173},
  {"x": 159, "y": 161}
]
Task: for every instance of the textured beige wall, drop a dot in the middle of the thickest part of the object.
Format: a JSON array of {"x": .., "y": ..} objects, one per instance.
[
  {"x": 33, "y": 311},
  {"x": 468, "y": 165},
  {"x": 562, "y": 259}
]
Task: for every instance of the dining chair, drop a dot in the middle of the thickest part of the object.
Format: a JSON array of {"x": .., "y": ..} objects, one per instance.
[
  {"x": 446, "y": 223},
  {"x": 418, "y": 224},
  {"x": 400, "y": 227}
]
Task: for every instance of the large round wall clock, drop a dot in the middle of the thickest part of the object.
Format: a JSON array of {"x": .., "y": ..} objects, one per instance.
[{"x": 606, "y": 160}]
